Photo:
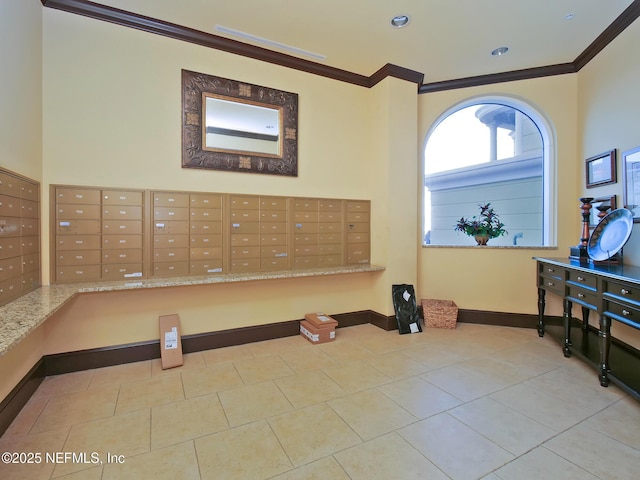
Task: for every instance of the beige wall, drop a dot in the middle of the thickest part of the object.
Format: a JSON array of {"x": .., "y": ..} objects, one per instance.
[
  {"x": 112, "y": 109},
  {"x": 498, "y": 279},
  {"x": 609, "y": 113},
  {"x": 111, "y": 117},
  {"x": 21, "y": 92},
  {"x": 590, "y": 112},
  {"x": 21, "y": 136}
]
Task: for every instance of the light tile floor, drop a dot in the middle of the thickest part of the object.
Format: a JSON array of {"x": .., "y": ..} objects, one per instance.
[{"x": 476, "y": 402}]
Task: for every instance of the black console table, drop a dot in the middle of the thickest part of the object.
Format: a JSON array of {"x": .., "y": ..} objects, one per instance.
[{"x": 610, "y": 291}]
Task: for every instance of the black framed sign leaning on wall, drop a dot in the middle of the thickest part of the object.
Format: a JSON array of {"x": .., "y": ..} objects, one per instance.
[{"x": 601, "y": 169}]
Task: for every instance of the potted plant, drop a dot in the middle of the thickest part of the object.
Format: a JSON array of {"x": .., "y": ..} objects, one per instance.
[{"x": 483, "y": 227}]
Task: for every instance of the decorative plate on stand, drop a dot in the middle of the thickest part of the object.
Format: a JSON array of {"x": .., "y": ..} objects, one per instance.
[{"x": 610, "y": 234}]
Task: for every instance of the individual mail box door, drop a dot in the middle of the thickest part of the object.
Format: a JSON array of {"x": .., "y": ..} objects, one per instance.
[
  {"x": 245, "y": 265},
  {"x": 214, "y": 240},
  {"x": 78, "y": 257},
  {"x": 78, "y": 212},
  {"x": 171, "y": 241},
  {"x": 122, "y": 271},
  {"x": 78, "y": 242},
  {"x": 273, "y": 239},
  {"x": 205, "y": 215},
  {"x": 121, "y": 241},
  {"x": 77, "y": 196},
  {"x": 120, "y": 227},
  {"x": 132, "y": 255},
  {"x": 9, "y": 206},
  {"x": 244, "y": 202},
  {"x": 171, "y": 227},
  {"x": 205, "y": 253},
  {"x": 200, "y": 228},
  {"x": 80, "y": 273},
  {"x": 245, "y": 240},
  {"x": 272, "y": 264},
  {"x": 171, "y": 269},
  {"x": 205, "y": 200},
  {"x": 170, "y": 213},
  {"x": 121, "y": 212},
  {"x": 203, "y": 267},
  {"x": 124, "y": 197},
  {"x": 170, "y": 199},
  {"x": 77, "y": 227},
  {"x": 170, "y": 254}
]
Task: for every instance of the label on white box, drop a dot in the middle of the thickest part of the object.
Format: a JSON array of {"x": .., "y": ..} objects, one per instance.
[
  {"x": 311, "y": 336},
  {"x": 171, "y": 339}
]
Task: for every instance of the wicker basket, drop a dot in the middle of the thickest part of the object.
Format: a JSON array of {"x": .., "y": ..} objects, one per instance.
[{"x": 439, "y": 313}]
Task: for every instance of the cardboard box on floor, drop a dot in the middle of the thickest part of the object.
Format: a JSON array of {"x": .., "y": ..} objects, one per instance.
[
  {"x": 320, "y": 320},
  {"x": 318, "y": 328},
  {"x": 170, "y": 341}
]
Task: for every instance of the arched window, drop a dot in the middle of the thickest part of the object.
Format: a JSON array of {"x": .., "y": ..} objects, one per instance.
[{"x": 495, "y": 150}]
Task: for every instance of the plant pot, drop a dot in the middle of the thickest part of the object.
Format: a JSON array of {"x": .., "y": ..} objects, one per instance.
[{"x": 482, "y": 239}]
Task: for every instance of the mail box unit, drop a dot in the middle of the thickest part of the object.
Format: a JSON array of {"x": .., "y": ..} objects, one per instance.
[
  {"x": 78, "y": 230},
  {"x": 123, "y": 229},
  {"x": 99, "y": 234},
  {"x": 19, "y": 236},
  {"x": 170, "y": 233},
  {"x": 305, "y": 232},
  {"x": 330, "y": 233},
  {"x": 274, "y": 233},
  {"x": 206, "y": 246},
  {"x": 244, "y": 228},
  {"x": 358, "y": 231}
]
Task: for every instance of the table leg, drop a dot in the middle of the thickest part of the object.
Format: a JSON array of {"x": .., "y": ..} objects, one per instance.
[
  {"x": 585, "y": 319},
  {"x": 605, "y": 345},
  {"x": 566, "y": 318},
  {"x": 541, "y": 306}
]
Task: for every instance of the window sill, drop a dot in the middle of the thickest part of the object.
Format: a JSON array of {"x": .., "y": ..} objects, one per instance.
[{"x": 493, "y": 247}]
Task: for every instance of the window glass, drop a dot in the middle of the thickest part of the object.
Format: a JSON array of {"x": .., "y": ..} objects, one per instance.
[{"x": 487, "y": 153}]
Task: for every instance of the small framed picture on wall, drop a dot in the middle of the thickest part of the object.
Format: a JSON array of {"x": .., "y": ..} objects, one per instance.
[
  {"x": 601, "y": 169},
  {"x": 631, "y": 180}
]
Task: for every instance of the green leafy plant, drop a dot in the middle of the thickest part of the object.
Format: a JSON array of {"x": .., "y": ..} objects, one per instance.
[{"x": 487, "y": 223}]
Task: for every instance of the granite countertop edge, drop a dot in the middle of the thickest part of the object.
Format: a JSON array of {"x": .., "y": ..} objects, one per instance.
[{"x": 23, "y": 315}]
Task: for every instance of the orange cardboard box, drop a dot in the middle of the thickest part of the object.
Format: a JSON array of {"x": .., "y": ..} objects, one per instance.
[
  {"x": 170, "y": 341},
  {"x": 316, "y": 335},
  {"x": 320, "y": 320}
]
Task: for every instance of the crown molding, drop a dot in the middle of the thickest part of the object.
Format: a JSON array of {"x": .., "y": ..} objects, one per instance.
[
  {"x": 626, "y": 18},
  {"x": 178, "y": 32},
  {"x": 525, "y": 74}
]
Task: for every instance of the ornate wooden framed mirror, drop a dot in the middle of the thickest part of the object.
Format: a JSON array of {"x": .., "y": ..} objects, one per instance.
[{"x": 235, "y": 126}]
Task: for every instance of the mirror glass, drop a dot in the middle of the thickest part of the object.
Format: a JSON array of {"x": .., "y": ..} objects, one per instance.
[{"x": 232, "y": 124}]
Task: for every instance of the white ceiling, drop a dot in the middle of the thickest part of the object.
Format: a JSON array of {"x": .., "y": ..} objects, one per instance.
[{"x": 445, "y": 39}]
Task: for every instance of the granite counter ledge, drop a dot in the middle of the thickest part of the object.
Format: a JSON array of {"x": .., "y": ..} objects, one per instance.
[{"x": 23, "y": 315}]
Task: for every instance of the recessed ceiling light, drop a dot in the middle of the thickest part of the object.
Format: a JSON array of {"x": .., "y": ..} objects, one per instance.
[
  {"x": 400, "y": 21},
  {"x": 500, "y": 51}
]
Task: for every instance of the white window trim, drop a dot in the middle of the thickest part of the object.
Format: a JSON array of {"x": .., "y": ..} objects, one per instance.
[{"x": 549, "y": 155}]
